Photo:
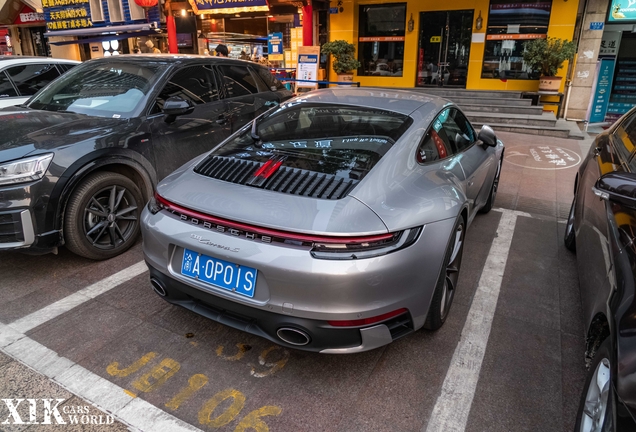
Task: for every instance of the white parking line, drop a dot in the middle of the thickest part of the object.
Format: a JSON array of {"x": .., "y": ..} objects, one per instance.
[
  {"x": 105, "y": 395},
  {"x": 451, "y": 410},
  {"x": 56, "y": 309}
]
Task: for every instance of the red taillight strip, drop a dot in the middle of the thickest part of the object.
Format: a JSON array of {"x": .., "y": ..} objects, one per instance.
[
  {"x": 267, "y": 231},
  {"x": 367, "y": 321},
  {"x": 263, "y": 167}
]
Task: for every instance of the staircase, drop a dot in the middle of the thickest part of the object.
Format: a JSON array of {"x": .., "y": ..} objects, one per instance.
[{"x": 506, "y": 111}]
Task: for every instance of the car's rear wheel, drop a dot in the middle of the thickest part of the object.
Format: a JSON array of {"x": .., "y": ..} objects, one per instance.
[
  {"x": 102, "y": 216},
  {"x": 570, "y": 239},
  {"x": 595, "y": 400},
  {"x": 448, "y": 278},
  {"x": 493, "y": 191}
]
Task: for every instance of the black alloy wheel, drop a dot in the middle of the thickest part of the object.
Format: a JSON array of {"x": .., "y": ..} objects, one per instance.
[
  {"x": 448, "y": 278},
  {"x": 493, "y": 190},
  {"x": 570, "y": 238},
  {"x": 103, "y": 216}
]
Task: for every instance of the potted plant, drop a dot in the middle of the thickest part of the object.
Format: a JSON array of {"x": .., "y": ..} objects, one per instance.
[
  {"x": 343, "y": 58},
  {"x": 547, "y": 56}
]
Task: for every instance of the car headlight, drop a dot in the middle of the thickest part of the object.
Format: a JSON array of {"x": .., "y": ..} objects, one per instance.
[{"x": 25, "y": 170}]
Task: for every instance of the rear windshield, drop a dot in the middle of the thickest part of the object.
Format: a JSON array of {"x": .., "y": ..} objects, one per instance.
[{"x": 343, "y": 140}]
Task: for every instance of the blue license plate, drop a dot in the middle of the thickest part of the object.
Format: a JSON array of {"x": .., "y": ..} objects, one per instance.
[{"x": 222, "y": 274}]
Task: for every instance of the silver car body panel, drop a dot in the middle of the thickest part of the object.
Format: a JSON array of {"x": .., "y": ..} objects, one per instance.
[{"x": 397, "y": 194}]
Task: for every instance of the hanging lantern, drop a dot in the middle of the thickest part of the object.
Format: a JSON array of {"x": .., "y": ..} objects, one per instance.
[{"x": 146, "y": 3}]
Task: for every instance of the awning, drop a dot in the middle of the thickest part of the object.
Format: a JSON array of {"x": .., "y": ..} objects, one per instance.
[
  {"x": 109, "y": 30},
  {"x": 105, "y": 37}
]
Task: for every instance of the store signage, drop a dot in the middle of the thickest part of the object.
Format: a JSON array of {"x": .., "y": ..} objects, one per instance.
[
  {"x": 333, "y": 10},
  {"x": 516, "y": 36},
  {"x": 602, "y": 90},
  {"x": 596, "y": 25},
  {"x": 609, "y": 44},
  {"x": 307, "y": 67},
  {"x": 67, "y": 14},
  {"x": 622, "y": 11},
  {"x": 381, "y": 39},
  {"x": 275, "y": 46},
  {"x": 228, "y": 6},
  {"x": 28, "y": 16}
]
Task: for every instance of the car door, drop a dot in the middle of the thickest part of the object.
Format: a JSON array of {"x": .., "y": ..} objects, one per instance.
[
  {"x": 30, "y": 78},
  {"x": 189, "y": 135},
  {"x": 245, "y": 94},
  {"x": 594, "y": 258},
  {"x": 475, "y": 160}
]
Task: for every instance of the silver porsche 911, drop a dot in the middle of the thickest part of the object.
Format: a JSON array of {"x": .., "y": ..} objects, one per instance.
[{"x": 332, "y": 223}]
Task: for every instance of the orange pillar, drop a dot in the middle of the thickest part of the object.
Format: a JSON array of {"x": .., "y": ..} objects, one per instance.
[{"x": 308, "y": 25}]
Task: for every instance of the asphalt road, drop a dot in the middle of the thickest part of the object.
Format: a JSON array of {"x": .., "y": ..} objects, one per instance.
[{"x": 509, "y": 358}]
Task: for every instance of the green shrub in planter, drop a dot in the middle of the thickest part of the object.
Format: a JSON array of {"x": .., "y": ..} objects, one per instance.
[
  {"x": 343, "y": 56},
  {"x": 548, "y": 55}
]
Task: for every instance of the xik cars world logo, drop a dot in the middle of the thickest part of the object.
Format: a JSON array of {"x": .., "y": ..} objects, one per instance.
[{"x": 49, "y": 412}]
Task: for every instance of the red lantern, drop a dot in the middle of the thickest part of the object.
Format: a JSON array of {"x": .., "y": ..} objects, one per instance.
[{"x": 147, "y": 3}]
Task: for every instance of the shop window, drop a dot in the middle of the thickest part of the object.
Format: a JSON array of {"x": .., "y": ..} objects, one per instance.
[
  {"x": 97, "y": 10},
  {"x": 6, "y": 88},
  {"x": 115, "y": 11},
  {"x": 510, "y": 25},
  {"x": 381, "y": 39},
  {"x": 29, "y": 79},
  {"x": 237, "y": 81},
  {"x": 194, "y": 84}
]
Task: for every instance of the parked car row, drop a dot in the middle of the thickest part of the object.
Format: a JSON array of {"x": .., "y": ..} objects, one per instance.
[{"x": 601, "y": 229}]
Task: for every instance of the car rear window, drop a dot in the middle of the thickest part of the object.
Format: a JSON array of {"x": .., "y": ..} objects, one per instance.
[{"x": 342, "y": 140}]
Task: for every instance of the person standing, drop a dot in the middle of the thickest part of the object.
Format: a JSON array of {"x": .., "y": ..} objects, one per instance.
[{"x": 221, "y": 50}]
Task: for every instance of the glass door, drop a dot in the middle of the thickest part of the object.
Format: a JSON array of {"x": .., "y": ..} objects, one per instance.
[{"x": 444, "y": 48}]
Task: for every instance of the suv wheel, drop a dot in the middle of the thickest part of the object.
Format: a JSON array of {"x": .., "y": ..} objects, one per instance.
[{"x": 102, "y": 216}]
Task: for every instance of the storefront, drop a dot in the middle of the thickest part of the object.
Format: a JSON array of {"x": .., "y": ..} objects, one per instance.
[
  {"x": 23, "y": 33},
  {"x": 84, "y": 29},
  {"x": 617, "y": 55},
  {"x": 473, "y": 44}
]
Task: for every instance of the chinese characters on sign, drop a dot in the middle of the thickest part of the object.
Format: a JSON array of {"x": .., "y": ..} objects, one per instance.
[
  {"x": 31, "y": 17},
  {"x": 610, "y": 43},
  {"x": 67, "y": 14},
  {"x": 228, "y": 6},
  {"x": 602, "y": 90}
]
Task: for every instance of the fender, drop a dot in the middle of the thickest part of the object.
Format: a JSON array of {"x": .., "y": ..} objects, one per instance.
[{"x": 92, "y": 162}]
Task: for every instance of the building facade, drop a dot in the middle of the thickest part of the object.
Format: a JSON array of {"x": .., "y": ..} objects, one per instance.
[{"x": 472, "y": 44}]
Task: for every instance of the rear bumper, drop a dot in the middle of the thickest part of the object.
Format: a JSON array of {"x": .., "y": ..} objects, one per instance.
[{"x": 323, "y": 337}]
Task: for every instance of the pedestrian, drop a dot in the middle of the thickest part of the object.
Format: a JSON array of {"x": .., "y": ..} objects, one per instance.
[
  {"x": 152, "y": 49},
  {"x": 221, "y": 50}
]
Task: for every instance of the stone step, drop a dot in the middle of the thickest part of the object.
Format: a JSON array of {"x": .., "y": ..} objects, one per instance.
[
  {"x": 556, "y": 132},
  {"x": 543, "y": 120},
  {"x": 490, "y": 101},
  {"x": 506, "y": 109},
  {"x": 450, "y": 93}
]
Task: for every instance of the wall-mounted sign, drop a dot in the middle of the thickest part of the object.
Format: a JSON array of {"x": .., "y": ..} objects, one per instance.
[
  {"x": 381, "y": 39},
  {"x": 516, "y": 36},
  {"x": 28, "y": 16},
  {"x": 597, "y": 25},
  {"x": 609, "y": 44},
  {"x": 622, "y": 11},
  {"x": 228, "y": 6},
  {"x": 67, "y": 14},
  {"x": 601, "y": 90},
  {"x": 436, "y": 39},
  {"x": 275, "y": 46},
  {"x": 333, "y": 10}
]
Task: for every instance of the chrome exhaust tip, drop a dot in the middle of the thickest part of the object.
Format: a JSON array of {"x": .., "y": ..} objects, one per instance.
[
  {"x": 293, "y": 336},
  {"x": 158, "y": 287}
]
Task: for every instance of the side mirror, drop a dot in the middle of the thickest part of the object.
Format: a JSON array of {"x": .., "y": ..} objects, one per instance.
[
  {"x": 175, "y": 106},
  {"x": 618, "y": 187},
  {"x": 487, "y": 136}
]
